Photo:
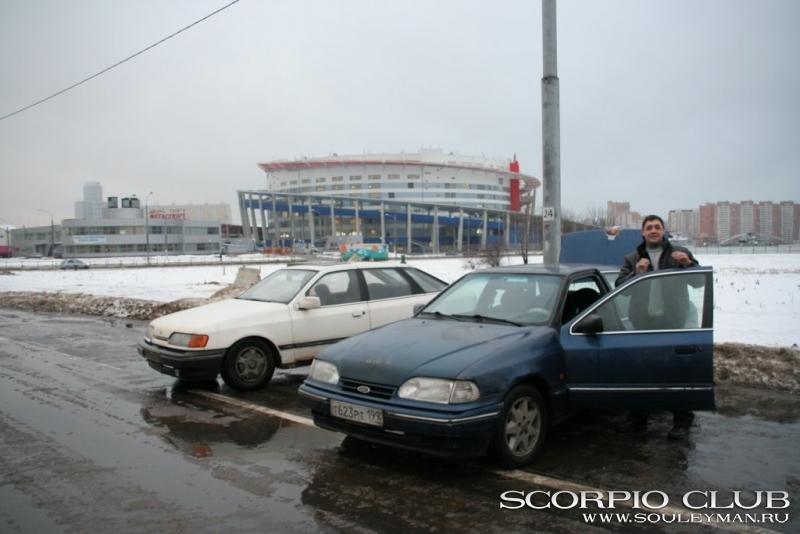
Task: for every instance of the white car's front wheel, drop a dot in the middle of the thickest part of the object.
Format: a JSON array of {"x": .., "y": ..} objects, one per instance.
[{"x": 248, "y": 365}]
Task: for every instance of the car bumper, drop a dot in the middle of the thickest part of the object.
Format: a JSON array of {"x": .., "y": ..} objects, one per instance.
[
  {"x": 455, "y": 435},
  {"x": 188, "y": 365}
]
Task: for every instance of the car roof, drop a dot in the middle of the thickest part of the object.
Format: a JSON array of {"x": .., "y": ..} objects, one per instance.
[
  {"x": 562, "y": 269},
  {"x": 342, "y": 266}
]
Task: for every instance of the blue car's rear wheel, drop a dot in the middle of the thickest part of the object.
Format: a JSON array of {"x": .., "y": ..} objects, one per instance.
[{"x": 522, "y": 427}]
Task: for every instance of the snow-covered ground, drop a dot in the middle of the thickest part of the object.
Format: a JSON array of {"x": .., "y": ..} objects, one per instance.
[{"x": 757, "y": 297}]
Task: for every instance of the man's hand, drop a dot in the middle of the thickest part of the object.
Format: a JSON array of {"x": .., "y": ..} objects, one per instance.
[
  {"x": 642, "y": 265},
  {"x": 682, "y": 258}
]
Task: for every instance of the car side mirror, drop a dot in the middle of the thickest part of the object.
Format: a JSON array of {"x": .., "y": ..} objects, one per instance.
[
  {"x": 309, "y": 303},
  {"x": 418, "y": 308},
  {"x": 591, "y": 324}
]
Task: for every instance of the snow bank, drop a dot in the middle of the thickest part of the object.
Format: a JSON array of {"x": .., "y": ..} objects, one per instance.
[{"x": 757, "y": 297}]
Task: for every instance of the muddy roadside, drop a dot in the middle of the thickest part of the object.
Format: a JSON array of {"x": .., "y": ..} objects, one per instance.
[{"x": 735, "y": 363}]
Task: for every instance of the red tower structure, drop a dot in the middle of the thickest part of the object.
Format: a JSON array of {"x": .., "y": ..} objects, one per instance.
[{"x": 514, "y": 200}]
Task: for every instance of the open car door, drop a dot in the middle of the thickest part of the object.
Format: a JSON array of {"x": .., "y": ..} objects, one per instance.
[{"x": 647, "y": 344}]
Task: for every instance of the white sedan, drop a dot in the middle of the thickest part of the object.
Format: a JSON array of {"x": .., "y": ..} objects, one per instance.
[{"x": 283, "y": 321}]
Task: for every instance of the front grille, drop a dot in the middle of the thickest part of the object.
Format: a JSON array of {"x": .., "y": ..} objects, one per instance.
[{"x": 379, "y": 391}]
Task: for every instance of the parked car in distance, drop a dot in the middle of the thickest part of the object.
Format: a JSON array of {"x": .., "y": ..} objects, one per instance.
[
  {"x": 283, "y": 321},
  {"x": 502, "y": 354},
  {"x": 73, "y": 264}
]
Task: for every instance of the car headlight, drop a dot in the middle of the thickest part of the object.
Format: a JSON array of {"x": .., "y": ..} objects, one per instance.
[
  {"x": 150, "y": 331},
  {"x": 192, "y": 341},
  {"x": 439, "y": 390},
  {"x": 322, "y": 371}
]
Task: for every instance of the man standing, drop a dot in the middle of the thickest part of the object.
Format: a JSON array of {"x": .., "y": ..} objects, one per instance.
[{"x": 655, "y": 253}]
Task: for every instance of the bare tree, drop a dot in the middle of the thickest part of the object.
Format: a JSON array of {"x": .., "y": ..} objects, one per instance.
[
  {"x": 598, "y": 217},
  {"x": 525, "y": 223},
  {"x": 492, "y": 255}
]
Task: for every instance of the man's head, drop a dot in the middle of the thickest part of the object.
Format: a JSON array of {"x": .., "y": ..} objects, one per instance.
[{"x": 653, "y": 230}]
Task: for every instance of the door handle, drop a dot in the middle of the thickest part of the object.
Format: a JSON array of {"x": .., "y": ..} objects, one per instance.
[
  {"x": 358, "y": 314},
  {"x": 686, "y": 349}
]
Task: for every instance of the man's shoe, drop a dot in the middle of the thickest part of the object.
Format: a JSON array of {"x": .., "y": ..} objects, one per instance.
[{"x": 678, "y": 433}]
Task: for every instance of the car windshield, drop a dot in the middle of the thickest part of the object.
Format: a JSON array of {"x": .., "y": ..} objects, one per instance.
[
  {"x": 280, "y": 286},
  {"x": 522, "y": 299}
]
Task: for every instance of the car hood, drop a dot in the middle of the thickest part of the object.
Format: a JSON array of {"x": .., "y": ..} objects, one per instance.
[
  {"x": 217, "y": 316},
  {"x": 422, "y": 347}
]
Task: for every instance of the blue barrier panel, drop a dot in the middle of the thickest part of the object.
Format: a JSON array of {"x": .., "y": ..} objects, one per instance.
[{"x": 598, "y": 247}]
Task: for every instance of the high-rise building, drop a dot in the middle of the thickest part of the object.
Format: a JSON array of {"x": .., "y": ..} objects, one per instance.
[
  {"x": 620, "y": 214},
  {"x": 723, "y": 221},
  {"x": 796, "y": 236},
  {"x": 787, "y": 219},
  {"x": 91, "y": 207},
  {"x": 707, "y": 215},
  {"x": 747, "y": 217},
  {"x": 766, "y": 220},
  {"x": 683, "y": 222}
]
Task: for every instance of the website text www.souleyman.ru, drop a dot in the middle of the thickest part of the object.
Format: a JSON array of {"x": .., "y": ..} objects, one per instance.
[{"x": 653, "y": 507}]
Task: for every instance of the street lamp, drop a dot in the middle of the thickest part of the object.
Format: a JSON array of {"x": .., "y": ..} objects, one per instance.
[
  {"x": 147, "y": 227},
  {"x": 52, "y": 232}
]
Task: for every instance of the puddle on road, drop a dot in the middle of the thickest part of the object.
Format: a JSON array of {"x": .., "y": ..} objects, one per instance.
[{"x": 198, "y": 427}]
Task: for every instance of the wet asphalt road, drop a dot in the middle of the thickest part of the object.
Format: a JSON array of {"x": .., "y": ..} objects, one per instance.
[{"x": 92, "y": 439}]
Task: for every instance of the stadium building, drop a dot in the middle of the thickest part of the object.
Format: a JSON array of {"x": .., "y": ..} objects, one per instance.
[{"x": 427, "y": 201}]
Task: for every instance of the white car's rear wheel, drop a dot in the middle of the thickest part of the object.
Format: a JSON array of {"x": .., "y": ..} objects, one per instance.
[{"x": 248, "y": 365}]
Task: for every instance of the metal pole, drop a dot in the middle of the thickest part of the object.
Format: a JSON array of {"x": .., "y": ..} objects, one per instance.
[
  {"x": 263, "y": 221},
  {"x": 356, "y": 222},
  {"x": 485, "y": 229},
  {"x": 147, "y": 227},
  {"x": 243, "y": 214},
  {"x": 333, "y": 220},
  {"x": 460, "y": 229},
  {"x": 408, "y": 228},
  {"x": 551, "y": 133},
  {"x": 529, "y": 218},
  {"x": 383, "y": 224},
  {"x": 435, "y": 230},
  {"x": 52, "y": 231},
  {"x": 311, "y": 229},
  {"x": 275, "y": 221}
]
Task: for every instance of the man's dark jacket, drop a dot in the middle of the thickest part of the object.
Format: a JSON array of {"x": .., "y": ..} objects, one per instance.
[{"x": 666, "y": 260}]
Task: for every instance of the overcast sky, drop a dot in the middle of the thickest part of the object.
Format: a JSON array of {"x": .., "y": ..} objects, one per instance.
[{"x": 664, "y": 103}]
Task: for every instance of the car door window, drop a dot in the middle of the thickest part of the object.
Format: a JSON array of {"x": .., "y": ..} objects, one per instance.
[
  {"x": 666, "y": 302},
  {"x": 386, "y": 283},
  {"x": 580, "y": 295},
  {"x": 337, "y": 288}
]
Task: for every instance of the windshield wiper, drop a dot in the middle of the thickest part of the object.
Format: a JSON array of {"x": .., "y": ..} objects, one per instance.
[
  {"x": 441, "y": 315},
  {"x": 480, "y": 317}
]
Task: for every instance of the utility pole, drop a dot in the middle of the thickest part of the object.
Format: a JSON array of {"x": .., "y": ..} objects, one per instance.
[
  {"x": 52, "y": 233},
  {"x": 147, "y": 228},
  {"x": 551, "y": 134}
]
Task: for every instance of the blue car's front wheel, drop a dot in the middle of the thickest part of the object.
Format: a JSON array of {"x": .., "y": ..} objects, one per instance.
[{"x": 522, "y": 427}]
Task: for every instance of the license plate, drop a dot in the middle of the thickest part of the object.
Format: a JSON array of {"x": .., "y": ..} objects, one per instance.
[{"x": 359, "y": 414}]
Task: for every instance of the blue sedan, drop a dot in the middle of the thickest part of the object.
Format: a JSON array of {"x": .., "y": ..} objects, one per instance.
[{"x": 504, "y": 353}]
